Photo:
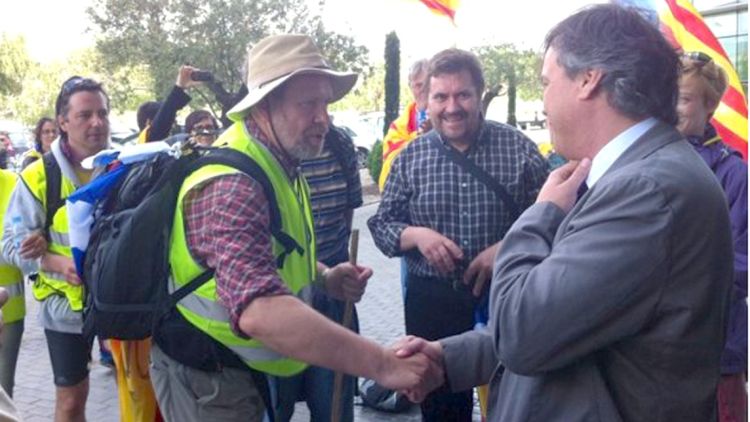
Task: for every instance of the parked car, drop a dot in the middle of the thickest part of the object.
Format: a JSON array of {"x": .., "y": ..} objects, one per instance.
[
  {"x": 363, "y": 140},
  {"x": 122, "y": 135}
]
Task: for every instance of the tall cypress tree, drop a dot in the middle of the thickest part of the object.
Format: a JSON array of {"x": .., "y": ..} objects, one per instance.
[{"x": 392, "y": 65}]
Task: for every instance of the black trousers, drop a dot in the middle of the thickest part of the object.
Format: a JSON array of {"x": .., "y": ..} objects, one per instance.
[{"x": 433, "y": 310}]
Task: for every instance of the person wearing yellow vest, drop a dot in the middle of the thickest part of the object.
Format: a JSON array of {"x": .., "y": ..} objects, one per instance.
[
  {"x": 14, "y": 309},
  {"x": 131, "y": 357},
  {"x": 82, "y": 110},
  {"x": 215, "y": 354},
  {"x": 410, "y": 124}
]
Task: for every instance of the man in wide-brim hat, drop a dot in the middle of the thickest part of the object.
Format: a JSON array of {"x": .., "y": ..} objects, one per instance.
[{"x": 212, "y": 356}]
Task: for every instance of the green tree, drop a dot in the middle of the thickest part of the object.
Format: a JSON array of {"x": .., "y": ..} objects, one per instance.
[
  {"x": 15, "y": 65},
  {"x": 392, "y": 65},
  {"x": 367, "y": 95},
  {"x": 509, "y": 71},
  {"x": 210, "y": 34}
]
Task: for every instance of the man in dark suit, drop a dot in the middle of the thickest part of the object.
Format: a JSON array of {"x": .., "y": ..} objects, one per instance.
[{"x": 608, "y": 296}]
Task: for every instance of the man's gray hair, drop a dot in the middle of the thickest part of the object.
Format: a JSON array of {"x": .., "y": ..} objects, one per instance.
[
  {"x": 417, "y": 67},
  {"x": 640, "y": 68}
]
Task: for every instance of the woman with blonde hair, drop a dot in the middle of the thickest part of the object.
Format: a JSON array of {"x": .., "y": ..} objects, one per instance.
[{"x": 702, "y": 85}]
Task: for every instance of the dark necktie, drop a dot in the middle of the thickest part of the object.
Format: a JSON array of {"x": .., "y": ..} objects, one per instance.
[{"x": 582, "y": 191}]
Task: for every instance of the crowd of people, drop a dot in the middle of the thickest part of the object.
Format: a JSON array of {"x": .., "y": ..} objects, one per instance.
[{"x": 612, "y": 287}]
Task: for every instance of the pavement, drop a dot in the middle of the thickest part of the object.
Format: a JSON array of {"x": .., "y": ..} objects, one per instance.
[{"x": 380, "y": 313}]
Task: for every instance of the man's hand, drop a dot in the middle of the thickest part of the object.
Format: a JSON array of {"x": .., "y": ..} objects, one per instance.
[
  {"x": 562, "y": 184},
  {"x": 441, "y": 252},
  {"x": 184, "y": 80},
  {"x": 33, "y": 246},
  {"x": 63, "y": 265},
  {"x": 346, "y": 281},
  {"x": 480, "y": 269},
  {"x": 409, "y": 346},
  {"x": 415, "y": 374}
]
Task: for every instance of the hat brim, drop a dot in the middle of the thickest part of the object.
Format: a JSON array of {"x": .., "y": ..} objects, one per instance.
[{"x": 341, "y": 83}]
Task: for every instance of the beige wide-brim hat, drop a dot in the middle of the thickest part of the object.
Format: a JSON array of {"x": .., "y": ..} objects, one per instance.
[{"x": 277, "y": 58}]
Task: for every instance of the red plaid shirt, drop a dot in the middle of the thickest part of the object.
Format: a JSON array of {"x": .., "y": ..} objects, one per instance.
[{"x": 227, "y": 226}]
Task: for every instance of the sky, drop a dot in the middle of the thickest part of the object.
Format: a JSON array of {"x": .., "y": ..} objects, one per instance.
[{"x": 54, "y": 29}]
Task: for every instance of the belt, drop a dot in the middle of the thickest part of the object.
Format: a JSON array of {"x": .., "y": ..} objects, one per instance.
[{"x": 456, "y": 283}]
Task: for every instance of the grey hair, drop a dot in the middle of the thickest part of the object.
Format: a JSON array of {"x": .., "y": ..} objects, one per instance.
[
  {"x": 417, "y": 67},
  {"x": 641, "y": 70}
]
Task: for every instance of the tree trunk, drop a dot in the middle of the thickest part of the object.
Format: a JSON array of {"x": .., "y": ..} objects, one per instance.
[
  {"x": 512, "y": 100},
  {"x": 488, "y": 96},
  {"x": 392, "y": 64}
]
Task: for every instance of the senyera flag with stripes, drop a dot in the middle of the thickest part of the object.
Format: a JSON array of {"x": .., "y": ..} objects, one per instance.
[{"x": 685, "y": 28}]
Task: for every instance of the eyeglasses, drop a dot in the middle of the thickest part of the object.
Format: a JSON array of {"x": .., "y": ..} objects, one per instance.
[
  {"x": 699, "y": 57},
  {"x": 71, "y": 84}
]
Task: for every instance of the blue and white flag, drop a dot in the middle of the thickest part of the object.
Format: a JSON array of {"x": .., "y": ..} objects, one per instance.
[{"x": 80, "y": 205}]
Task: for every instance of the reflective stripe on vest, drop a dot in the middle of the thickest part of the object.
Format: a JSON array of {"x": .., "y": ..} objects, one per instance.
[
  {"x": 210, "y": 310},
  {"x": 200, "y": 308},
  {"x": 59, "y": 238},
  {"x": 48, "y": 283}
]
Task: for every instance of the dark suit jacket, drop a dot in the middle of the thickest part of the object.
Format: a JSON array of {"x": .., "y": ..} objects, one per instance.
[{"x": 614, "y": 311}]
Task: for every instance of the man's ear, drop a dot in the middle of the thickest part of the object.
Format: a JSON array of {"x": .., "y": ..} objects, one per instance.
[
  {"x": 588, "y": 83},
  {"x": 62, "y": 123}
]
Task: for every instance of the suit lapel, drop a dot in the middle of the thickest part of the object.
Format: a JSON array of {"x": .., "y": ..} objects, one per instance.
[{"x": 654, "y": 139}]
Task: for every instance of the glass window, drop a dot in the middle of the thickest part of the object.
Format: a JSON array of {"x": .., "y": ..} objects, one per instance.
[
  {"x": 723, "y": 25},
  {"x": 742, "y": 22},
  {"x": 703, "y": 5},
  {"x": 741, "y": 62}
]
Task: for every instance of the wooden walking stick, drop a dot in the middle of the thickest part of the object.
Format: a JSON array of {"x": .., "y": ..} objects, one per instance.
[{"x": 338, "y": 379}]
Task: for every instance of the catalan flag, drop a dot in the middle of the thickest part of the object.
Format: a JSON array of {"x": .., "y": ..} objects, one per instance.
[
  {"x": 685, "y": 28},
  {"x": 443, "y": 7}
]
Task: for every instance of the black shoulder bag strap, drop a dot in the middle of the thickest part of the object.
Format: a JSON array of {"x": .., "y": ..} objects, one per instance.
[
  {"x": 479, "y": 174},
  {"x": 53, "y": 177}
]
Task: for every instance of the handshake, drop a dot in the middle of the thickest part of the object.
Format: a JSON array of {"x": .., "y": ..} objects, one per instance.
[{"x": 413, "y": 366}]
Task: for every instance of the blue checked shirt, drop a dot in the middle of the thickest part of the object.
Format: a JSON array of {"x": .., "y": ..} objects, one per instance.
[{"x": 426, "y": 189}]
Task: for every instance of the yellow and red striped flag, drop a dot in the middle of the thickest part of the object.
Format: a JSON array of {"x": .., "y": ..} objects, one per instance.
[
  {"x": 685, "y": 28},
  {"x": 443, "y": 7}
]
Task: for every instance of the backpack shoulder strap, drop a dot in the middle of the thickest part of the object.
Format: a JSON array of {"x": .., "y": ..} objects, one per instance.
[
  {"x": 479, "y": 174},
  {"x": 240, "y": 161},
  {"x": 337, "y": 140},
  {"x": 53, "y": 177}
]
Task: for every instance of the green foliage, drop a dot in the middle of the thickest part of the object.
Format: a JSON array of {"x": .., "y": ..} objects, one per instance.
[
  {"x": 367, "y": 95},
  {"x": 507, "y": 70},
  {"x": 392, "y": 65},
  {"x": 14, "y": 64},
  {"x": 160, "y": 35},
  {"x": 40, "y": 84},
  {"x": 375, "y": 160}
]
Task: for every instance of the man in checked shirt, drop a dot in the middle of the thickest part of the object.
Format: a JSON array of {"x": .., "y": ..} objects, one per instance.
[
  {"x": 446, "y": 222},
  {"x": 215, "y": 352}
]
